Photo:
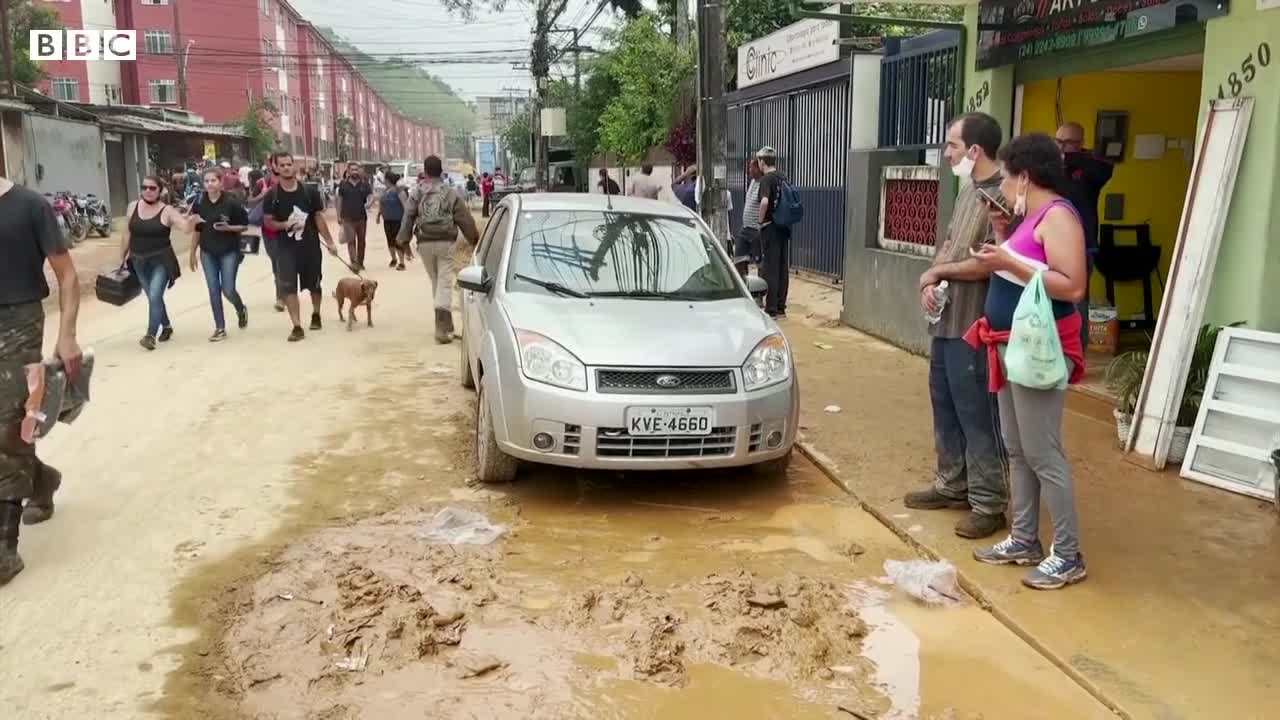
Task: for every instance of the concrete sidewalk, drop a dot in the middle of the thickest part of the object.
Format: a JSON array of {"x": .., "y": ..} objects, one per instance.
[{"x": 1180, "y": 616}]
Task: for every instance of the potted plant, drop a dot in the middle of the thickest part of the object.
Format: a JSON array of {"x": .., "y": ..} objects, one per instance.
[{"x": 1124, "y": 379}]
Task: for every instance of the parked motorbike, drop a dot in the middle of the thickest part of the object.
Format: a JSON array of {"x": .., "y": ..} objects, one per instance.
[
  {"x": 93, "y": 213},
  {"x": 69, "y": 218}
]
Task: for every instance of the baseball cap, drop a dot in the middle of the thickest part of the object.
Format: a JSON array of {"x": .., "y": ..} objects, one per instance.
[{"x": 767, "y": 151}]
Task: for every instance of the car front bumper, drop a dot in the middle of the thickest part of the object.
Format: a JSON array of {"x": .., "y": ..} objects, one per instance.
[{"x": 589, "y": 428}]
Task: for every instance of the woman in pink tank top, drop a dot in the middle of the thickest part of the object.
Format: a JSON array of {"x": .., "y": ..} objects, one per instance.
[{"x": 1050, "y": 240}]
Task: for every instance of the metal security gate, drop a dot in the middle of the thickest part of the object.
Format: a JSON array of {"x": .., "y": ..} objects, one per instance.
[
  {"x": 806, "y": 118},
  {"x": 920, "y": 90}
]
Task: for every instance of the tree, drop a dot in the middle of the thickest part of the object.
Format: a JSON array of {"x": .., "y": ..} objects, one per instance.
[
  {"x": 25, "y": 16},
  {"x": 257, "y": 123},
  {"x": 648, "y": 69},
  {"x": 344, "y": 137},
  {"x": 515, "y": 138}
]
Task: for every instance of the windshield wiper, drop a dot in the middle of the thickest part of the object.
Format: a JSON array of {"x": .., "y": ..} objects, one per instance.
[
  {"x": 554, "y": 287},
  {"x": 653, "y": 294}
]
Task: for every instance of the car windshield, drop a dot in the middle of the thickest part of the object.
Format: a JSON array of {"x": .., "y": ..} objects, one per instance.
[
  {"x": 615, "y": 254},
  {"x": 528, "y": 176}
]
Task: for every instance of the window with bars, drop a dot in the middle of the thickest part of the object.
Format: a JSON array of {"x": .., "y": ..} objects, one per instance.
[
  {"x": 114, "y": 95},
  {"x": 66, "y": 89},
  {"x": 158, "y": 42},
  {"x": 163, "y": 92}
]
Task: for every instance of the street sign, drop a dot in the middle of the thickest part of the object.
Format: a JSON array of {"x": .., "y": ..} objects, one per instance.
[{"x": 798, "y": 46}]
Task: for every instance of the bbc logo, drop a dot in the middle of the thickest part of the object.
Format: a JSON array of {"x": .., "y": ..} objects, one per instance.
[{"x": 83, "y": 44}]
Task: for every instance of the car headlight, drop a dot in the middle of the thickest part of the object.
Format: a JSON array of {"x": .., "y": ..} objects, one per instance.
[
  {"x": 769, "y": 364},
  {"x": 545, "y": 361}
]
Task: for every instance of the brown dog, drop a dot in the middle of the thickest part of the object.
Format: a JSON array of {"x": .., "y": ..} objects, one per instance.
[{"x": 357, "y": 291}]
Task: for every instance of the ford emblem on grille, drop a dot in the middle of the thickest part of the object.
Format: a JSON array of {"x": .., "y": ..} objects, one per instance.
[{"x": 667, "y": 381}]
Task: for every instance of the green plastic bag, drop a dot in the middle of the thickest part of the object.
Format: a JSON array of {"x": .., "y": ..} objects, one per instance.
[{"x": 1034, "y": 356}]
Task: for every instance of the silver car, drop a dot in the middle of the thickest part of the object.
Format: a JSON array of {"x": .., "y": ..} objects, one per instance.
[{"x": 614, "y": 333}]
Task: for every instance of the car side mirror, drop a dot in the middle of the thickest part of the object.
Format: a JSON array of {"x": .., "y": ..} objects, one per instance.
[
  {"x": 757, "y": 286},
  {"x": 475, "y": 278}
]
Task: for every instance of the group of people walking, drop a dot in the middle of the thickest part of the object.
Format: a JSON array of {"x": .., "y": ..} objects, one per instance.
[{"x": 1014, "y": 219}]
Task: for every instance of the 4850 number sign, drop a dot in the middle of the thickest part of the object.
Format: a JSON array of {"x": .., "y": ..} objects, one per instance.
[{"x": 1236, "y": 81}]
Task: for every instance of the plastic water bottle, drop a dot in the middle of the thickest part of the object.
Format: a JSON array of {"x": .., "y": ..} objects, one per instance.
[{"x": 940, "y": 298}]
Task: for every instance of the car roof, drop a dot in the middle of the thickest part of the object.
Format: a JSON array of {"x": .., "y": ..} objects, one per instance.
[{"x": 597, "y": 202}]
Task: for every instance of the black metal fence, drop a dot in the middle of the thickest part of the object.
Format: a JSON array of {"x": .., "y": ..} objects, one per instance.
[
  {"x": 806, "y": 118},
  {"x": 921, "y": 85}
]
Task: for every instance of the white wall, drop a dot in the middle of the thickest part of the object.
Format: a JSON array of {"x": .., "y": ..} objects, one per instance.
[{"x": 99, "y": 15}]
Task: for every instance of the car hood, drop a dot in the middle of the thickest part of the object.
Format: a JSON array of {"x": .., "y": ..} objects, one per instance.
[{"x": 644, "y": 333}]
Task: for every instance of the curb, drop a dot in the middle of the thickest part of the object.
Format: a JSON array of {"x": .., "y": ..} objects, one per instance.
[{"x": 968, "y": 584}]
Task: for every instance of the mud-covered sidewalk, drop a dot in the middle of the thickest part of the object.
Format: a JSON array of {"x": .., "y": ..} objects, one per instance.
[{"x": 1179, "y": 617}]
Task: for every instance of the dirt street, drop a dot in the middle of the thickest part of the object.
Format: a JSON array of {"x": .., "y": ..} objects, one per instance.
[{"x": 238, "y": 535}]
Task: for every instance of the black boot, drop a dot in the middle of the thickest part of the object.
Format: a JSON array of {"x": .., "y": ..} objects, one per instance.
[
  {"x": 40, "y": 505},
  {"x": 10, "y": 562}
]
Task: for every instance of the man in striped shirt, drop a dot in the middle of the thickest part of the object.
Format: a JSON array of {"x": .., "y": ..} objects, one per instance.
[{"x": 747, "y": 248}]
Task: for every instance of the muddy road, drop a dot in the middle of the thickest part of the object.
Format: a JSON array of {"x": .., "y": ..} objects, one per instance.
[{"x": 239, "y": 536}]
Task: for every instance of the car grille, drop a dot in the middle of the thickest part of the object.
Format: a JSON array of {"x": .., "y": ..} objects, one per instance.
[
  {"x": 617, "y": 442},
  {"x": 678, "y": 382},
  {"x": 754, "y": 441},
  {"x": 572, "y": 443}
]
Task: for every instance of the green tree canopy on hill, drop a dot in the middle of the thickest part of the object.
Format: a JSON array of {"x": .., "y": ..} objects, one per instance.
[
  {"x": 409, "y": 88},
  {"x": 25, "y": 16}
]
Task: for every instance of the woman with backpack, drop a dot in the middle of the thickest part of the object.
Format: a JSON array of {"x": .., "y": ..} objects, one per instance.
[{"x": 390, "y": 213}]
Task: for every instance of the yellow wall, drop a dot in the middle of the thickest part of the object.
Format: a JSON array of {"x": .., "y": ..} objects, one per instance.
[{"x": 1158, "y": 104}]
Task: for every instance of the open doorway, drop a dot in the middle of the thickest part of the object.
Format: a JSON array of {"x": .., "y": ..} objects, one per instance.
[{"x": 1140, "y": 118}]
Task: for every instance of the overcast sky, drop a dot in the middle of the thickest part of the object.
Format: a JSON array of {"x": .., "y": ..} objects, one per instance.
[{"x": 422, "y": 27}]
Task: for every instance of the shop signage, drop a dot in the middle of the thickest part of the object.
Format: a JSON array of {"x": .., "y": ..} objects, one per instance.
[
  {"x": 796, "y": 47},
  {"x": 1011, "y": 31}
]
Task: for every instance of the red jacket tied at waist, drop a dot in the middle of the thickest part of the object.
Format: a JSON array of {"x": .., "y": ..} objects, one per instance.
[{"x": 1069, "y": 327}]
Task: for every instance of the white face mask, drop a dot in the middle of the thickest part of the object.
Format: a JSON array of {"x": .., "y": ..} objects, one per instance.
[{"x": 964, "y": 168}]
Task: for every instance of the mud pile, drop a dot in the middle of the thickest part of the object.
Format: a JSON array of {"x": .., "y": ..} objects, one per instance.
[{"x": 357, "y": 619}]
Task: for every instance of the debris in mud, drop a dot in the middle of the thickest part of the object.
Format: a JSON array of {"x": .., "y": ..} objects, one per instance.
[
  {"x": 821, "y": 345},
  {"x": 932, "y": 582},
  {"x": 456, "y": 526},
  {"x": 657, "y": 653},
  {"x": 768, "y": 602},
  {"x": 849, "y": 549},
  {"x": 474, "y": 666},
  {"x": 832, "y": 409}
]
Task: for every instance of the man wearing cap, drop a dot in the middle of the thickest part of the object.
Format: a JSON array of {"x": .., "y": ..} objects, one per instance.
[{"x": 775, "y": 240}]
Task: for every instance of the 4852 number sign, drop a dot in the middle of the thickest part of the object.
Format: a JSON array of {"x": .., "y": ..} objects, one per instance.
[{"x": 1237, "y": 81}]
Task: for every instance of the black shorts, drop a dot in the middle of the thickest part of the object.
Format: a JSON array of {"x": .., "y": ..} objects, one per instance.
[{"x": 298, "y": 265}]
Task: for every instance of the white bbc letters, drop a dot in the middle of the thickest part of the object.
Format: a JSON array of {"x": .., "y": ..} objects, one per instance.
[{"x": 83, "y": 45}]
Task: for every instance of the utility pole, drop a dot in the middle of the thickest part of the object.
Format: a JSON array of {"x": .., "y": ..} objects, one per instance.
[
  {"x": 181, "y": 57},
  {"x": 712, "y": 166},
  {"x": 6, "y": 48}
]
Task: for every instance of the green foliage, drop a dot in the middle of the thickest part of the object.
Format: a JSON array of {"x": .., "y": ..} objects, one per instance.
[
  {"x": 257, "y": 125},
  {"x": 515, "y": 138},
  {"x": 1125, "y": 373},
  {"x": 648, "y": 69},
  {"x": 409, "y": 89},
  {"x": 344, "y": 137},
  {"x": 25, "y": 16}
]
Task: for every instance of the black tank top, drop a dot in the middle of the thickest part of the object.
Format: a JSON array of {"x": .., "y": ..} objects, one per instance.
[{"x": 148, "y": 237}]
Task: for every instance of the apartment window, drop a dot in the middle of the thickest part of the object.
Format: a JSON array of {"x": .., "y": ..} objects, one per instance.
[
  {"x": 67, "y": 89},
  {"x": 158, "y": 42},
  {"x": 163, "y": 92},
  {"x": 113, "y": 95}
]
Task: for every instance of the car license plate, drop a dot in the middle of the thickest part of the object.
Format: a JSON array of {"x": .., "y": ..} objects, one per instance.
[{"x": 670, "y": 420}]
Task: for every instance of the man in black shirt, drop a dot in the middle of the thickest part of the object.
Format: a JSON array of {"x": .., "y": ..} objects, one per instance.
[
  {"x": 1087, "y": 174},
  {"x": 222, "y": 220},
  {"x": 298, "y": 256},
  {"x": 775, "y": 240},
  {"x": 607, "y": 184},
  {"x": 353, "y": 195},
  {"x": 29, "y": 235}
]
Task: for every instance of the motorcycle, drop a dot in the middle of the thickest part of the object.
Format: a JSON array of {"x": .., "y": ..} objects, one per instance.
[
  {"x": 69, "y": 219},
  {"x": 94, "y": 213}
]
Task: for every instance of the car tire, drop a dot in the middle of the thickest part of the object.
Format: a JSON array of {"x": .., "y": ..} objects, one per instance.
[
  {"x": 774, "y": 467},
  {"x": 492, "y": 465},
  {"x": 468, "y": 378}
]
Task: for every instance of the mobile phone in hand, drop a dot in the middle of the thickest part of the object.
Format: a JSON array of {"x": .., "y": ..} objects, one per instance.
[{"x": 994, "y": 202}]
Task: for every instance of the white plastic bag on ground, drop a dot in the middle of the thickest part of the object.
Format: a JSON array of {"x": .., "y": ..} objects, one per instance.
[
  {"x": 933, "y": 582},
  {"x": 456, "y": 526}
]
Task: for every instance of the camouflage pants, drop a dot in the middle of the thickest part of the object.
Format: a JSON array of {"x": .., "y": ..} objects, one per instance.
[{"x": 21, "y": 338}]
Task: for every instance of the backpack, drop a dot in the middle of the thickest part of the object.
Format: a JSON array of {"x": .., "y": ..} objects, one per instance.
[
  {"x": 435, "y": 213},
  {"x": 790, "y": 209}
]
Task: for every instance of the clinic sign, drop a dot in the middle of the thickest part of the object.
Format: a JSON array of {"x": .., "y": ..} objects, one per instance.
[
  {"x": 799, "y": 46},
  {"x": 83, "y": 45}
]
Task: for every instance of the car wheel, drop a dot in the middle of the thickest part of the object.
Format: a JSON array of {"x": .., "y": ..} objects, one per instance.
[
  {"x": 492, "y": 465},
  {"x": 468, "y": 379},
  {"x": 774, "y": 467}
]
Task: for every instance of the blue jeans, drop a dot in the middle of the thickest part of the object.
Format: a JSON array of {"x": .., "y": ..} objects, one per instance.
[
  {"x": 220, "y": 276},
  {"x": 154, "y": 276},
  {"x": 966, "y": 433}
]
